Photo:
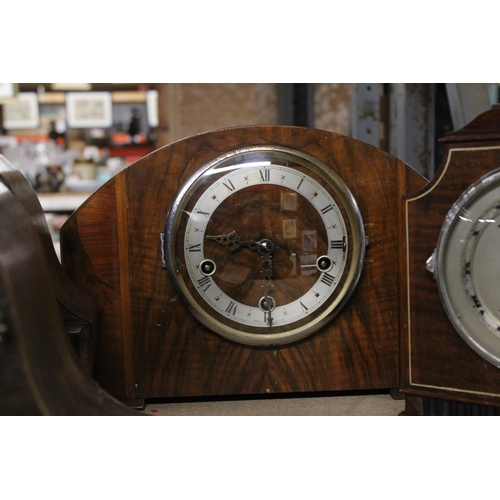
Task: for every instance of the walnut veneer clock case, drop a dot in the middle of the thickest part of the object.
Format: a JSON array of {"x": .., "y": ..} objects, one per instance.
[
  {"x": 450, "y": 341},
  {"x": 135, "y": 246}
]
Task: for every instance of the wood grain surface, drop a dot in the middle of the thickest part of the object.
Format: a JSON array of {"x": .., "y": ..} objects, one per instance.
[
  {"x": 435, "y": 359},
  {"x": 151, "y": 347}
]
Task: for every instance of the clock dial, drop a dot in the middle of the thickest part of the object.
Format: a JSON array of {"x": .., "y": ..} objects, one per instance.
[
  {"x": 467, "y": 266},
  {"x": 265, "y": 245}
]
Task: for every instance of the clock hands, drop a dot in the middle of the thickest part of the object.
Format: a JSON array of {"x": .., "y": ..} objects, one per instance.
[
  {"x": 232, "y": 242},
  {"x": 264, "y": 248}
]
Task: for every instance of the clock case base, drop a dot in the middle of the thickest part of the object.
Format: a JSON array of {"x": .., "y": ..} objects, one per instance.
[
  {"x": 151, "y": 347},
  {"x": 436, "y": 361}
]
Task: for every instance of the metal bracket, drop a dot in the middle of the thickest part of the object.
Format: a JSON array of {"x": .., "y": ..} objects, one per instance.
[{"x": 162, "y": 250}]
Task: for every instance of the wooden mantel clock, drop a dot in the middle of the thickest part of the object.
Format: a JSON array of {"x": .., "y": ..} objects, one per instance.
[
  {"x": 450, "y": 283},
  {"x": 245, "y": 261}
]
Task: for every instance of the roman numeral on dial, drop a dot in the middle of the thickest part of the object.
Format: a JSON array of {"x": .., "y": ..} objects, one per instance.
[
  {"x": 229, "y": 185},
  {"x": 328, "y": 279},
  {"x": 204, "y": 283},
  {"x": 338, "y": 244},
  {"x": 265, "y": 175},
  {"x": 231, "y": 308}
]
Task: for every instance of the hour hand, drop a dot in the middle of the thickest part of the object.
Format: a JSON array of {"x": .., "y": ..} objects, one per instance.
[{"x": 232, "y": 241}]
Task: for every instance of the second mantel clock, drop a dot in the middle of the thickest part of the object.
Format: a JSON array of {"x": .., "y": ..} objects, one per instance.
[
  {"x": 451, "y": 337},
  {"x": 251, "y": 260}
]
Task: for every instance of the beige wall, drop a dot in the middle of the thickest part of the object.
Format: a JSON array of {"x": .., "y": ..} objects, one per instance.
[
  {"x": 331, "y": 106},
  {"x": 190, "y": 108}
]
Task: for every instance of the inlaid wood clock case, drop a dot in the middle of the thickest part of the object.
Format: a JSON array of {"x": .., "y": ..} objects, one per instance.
[
  {"x": 440, "y": 360},
  {"x": 151, "y": 345}
]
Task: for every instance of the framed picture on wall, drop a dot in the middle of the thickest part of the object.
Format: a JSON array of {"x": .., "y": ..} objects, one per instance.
[
  {"x": 89, "y": 109},
  {"x": 8, "y": 91},
  {"x": 22, "y": 112}
]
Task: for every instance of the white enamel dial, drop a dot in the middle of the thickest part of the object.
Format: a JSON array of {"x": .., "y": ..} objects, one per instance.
[
  {"x": 467, "y": 267},
  {"x": 265, "y": 245}
]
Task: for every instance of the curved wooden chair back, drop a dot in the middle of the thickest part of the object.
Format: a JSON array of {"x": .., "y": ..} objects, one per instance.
[
  {"x": 39, "y": 371},
  {"x": 77, "y": 307}
]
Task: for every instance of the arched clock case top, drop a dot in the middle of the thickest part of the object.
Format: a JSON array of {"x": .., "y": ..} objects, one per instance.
[{"x": 152, "y": 345}]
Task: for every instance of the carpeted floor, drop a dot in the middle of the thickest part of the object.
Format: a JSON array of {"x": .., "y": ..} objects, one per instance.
[{"x": 348, "y": 405}]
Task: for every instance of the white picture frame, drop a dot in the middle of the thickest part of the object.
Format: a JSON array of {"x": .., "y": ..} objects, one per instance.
[
  {"x": 7, "y": 91},
  {"x": 152, "y": 107},
  {"x": 22, "y": 112},
  {"x": 89, "y": 109}
]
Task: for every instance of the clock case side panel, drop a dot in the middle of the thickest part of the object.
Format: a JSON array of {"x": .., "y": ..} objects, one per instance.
[
  {"x": 436, "y": 361},
  {"x": 174, "y": 355},
  {"x": 94, "y": 254}
]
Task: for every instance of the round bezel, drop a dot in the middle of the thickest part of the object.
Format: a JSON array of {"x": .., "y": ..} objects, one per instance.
[
  {"x": 467, "y": 266},
  {"x": 265, "y": 193}
]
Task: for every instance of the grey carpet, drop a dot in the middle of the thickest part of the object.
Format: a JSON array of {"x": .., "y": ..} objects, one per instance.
[{"x": 358, "y": 405}]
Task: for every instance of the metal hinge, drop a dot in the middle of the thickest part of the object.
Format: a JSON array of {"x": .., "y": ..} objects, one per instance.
[{"x": 162, "y": 248}]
